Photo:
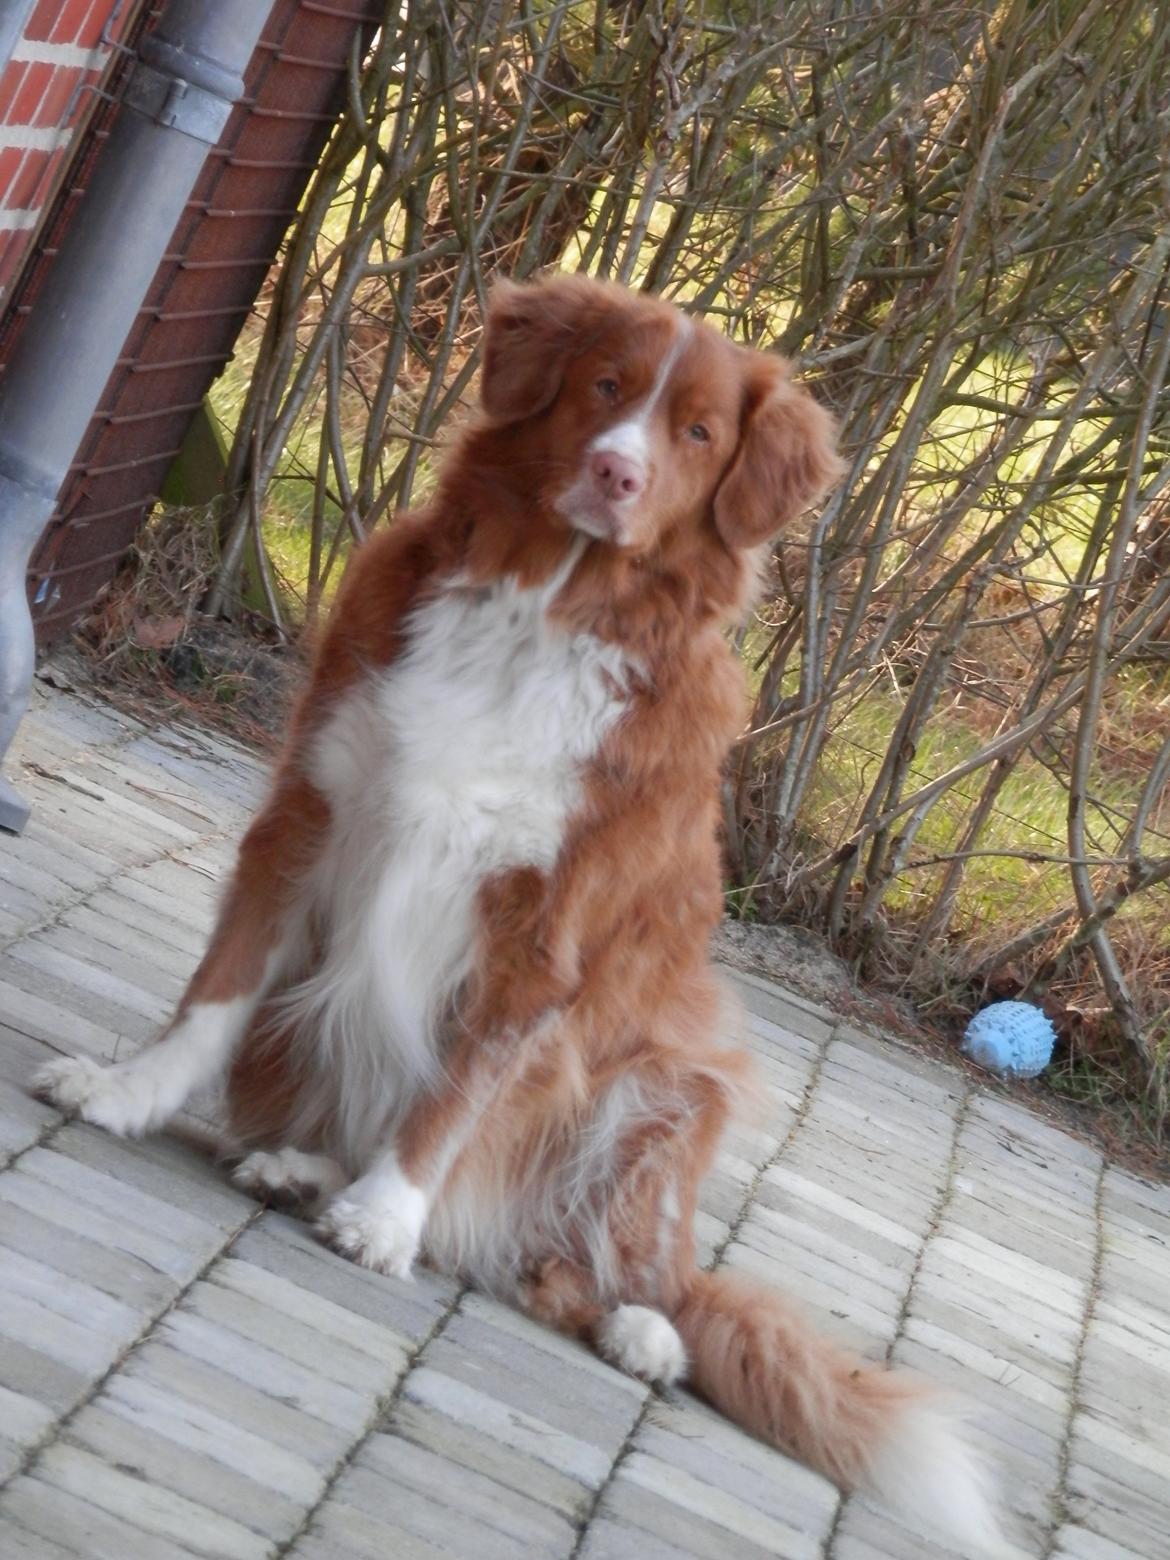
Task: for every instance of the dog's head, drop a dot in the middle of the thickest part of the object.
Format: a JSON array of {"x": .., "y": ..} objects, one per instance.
[{"x": 632, "y": 421}]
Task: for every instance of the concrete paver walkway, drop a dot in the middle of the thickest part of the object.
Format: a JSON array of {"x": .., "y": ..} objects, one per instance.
[{"x": 183, "y": 1373}]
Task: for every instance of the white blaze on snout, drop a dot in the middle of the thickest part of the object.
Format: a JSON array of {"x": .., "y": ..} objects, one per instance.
[{"x": 630, "y": 438}]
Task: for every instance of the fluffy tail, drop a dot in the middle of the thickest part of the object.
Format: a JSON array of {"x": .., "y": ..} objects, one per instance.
[{"x": 759, "y": 1362}]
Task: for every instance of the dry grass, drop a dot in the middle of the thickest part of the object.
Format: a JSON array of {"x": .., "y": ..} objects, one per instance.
[{"x": 149, "y": 645}]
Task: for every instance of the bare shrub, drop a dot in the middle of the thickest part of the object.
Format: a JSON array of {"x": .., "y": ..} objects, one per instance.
[{"x": 956, "y": 219}]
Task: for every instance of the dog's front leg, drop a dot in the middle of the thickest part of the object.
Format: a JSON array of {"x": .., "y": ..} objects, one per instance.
[
  {"x": 255, "y": 934},
  {"x": 513, "y": 1007},
  {"x": 380, "y": 1219}
]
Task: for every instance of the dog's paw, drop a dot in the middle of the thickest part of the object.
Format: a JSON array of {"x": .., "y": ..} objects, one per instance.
[
  {"x": 117, "y": 1098},
  {"x": 372, "y": 1237},
  {"x": 643, "y": 1342},
  {"x": 288, "y": 1176}
]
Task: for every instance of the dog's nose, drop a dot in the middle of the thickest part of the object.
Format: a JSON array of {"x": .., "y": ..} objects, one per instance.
[{"x": 617, "y": 475}]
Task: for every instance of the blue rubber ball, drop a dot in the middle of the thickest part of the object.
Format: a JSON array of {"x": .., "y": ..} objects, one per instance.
[{"x": 1011, "y": 1038}]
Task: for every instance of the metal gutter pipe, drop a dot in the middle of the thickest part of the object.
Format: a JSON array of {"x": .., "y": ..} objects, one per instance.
[{"x": 188, "y": 77}]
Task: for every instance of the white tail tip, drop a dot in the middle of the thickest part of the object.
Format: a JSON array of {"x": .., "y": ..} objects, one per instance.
[{"x": 929, "y": 1473}]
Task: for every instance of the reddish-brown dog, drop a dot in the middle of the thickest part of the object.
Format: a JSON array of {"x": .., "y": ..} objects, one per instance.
[{"x": 460, "y": 983}]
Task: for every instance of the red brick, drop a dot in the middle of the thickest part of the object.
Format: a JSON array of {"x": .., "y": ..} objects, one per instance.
[
  {"x": 32, "y": 89},
  {"x": 81, "y": 22},
  {"x": 45, "y": 17},
  {"x": 10, "y": 84},
  {"x": 62, "y": 94},
  {"x": 9, "y": 162},
  {"x": 25, "y": 188}
]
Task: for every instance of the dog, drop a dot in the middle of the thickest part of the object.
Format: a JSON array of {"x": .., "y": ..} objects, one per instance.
[{"x": 460, "y": 985}]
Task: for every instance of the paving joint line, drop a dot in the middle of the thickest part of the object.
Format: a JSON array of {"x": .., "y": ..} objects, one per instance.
[
  {"x": 802, "y": 1113},
  {"x": 1058, "y": 1501},
  {"x": 42, "y": 1140},
  {"x": 55, "y": 1431},
  {"x": 55, "y": 915},
  {"x": 933, "y": 1225},
  {"x": 379, "y": 1417},
  {"x": 585, "y": 1523}
]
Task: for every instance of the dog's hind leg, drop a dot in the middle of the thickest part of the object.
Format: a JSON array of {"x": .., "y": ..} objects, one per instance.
[
  {"x": 289, "y": 1176},
  {"x": 255, "y": 938}
]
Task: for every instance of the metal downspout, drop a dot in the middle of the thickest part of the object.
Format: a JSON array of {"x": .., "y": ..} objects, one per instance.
[{"x": 188, "y": 77}]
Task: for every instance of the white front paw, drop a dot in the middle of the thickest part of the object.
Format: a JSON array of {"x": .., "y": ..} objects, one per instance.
[
  {"x": 117, "y": 1098},
  {"x": 643, "y": 1342},
  {"x": 372, "y": 1237}
]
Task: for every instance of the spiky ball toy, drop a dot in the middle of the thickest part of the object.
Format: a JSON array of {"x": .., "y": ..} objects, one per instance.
[{"x": 1014, "y": 1039}]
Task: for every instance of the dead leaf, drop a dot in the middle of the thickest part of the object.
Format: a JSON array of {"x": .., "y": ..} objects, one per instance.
[{"x": 158, "y": 633}]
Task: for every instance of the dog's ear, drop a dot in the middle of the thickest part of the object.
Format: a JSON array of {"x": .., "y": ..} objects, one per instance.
[
  {"x": 530, "y": 331},
  {"x": 786, "y": 460}
]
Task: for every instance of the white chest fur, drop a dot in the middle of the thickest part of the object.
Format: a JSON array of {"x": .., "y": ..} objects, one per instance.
[{"x": 462, "y": 760}]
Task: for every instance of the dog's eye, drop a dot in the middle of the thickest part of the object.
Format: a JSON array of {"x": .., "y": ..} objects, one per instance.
[
  {"x": 608, "y": 388},
  {"x": 698, "y": 433}
]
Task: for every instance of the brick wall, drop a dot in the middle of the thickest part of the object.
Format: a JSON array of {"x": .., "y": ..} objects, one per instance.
[{"x": 47, "y": 90}]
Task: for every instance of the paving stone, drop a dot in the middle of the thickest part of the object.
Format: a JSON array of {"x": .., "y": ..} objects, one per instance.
[
  {"x": 613, "y": 1538},
  {"x": 465, "y": 1514},
  {"x": 35, "y": 1373},
  {"x": 986, "y": 1352},
  {"x": 23, "y": 1120},
  {"x": 196, "y": 915},
  {"x": 158, "y": 1514},
  {"x": 20, "y": 1056},
  {"x": 122, "y": 959},
  {"x": 72, "y": 869},
  {"x": 1033, "y": 1422},
  {"x": 341, "y": 1532},
  {"x": 822, "y": 1283},
  {"x": 1026, "y": 1126},
  {"x": 495, "y": 1364},
  {"x": 464, "y": 1446},
  {"x": 120, "y": 908},
  {"x": 181, "y": 1373},
  {"x": 66, "y": 1000},
  {"x": 158, "y": 964},
  {"x": 783, "y": 1188},
  {"x": 690, "y": 1514},
  {"x": 996, "y": 1220},
  {"x": 40, "y": 1521},
  {"x": 113, "y": 1196},
  {"x": 115, "y": 993},
  {"x": 545, "y": 1347},
  {"x": 64, "y": 1030},
  {"x": 267, "y": 1370},
  {"x": 170, "y": 1172},
  {"x": 295, "y": 1340},
  {"x": 186, "y": 1380},
  {"x": 285, "y": 1246},
  {"x": 40, "y": 1199},
  {"x": 328, "y": 1321},
  {"x": 782, "y": 1008},
  {"x": 1077, "y": 1543},
  {"x": 164, "y": 1451},
  {"x": 685, "y": 1434},
  {"x": 567, "y": 1453},
  {"x": 1129, "y": 1516}
]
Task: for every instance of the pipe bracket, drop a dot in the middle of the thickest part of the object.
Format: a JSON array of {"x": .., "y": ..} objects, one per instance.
[{"x": 177, "y": 104}]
